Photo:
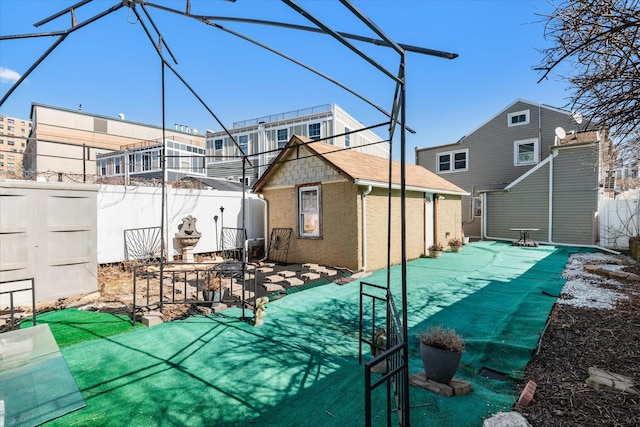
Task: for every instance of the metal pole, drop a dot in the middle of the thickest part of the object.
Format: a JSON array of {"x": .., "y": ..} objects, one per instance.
[
  {"x": 405, "y": 353},
  {"x": 163, "y": 159}
]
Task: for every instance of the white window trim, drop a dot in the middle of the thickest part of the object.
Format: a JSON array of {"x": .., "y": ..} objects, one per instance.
[
  {"x": 536, "y": 151},
  {"x": 452, "y": 157},
  {"x": 527, "y": 113},
  {"x": 301, "y": 232}
]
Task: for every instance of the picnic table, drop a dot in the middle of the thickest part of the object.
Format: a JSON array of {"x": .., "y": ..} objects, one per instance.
[{"x": 525, "y": 239}]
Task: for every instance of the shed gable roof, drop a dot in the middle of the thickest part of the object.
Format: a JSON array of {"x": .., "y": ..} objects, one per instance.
[{"x": 363, "y": 168}]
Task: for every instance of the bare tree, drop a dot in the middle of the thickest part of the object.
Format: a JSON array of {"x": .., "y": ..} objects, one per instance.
[{"x": 600, "y": 39}]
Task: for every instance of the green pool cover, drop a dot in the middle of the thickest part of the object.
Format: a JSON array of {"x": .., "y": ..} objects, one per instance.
[{"x": 301, "y": 367}]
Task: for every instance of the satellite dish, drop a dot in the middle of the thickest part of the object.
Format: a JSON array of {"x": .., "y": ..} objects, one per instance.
[
  {"x": 560, "y": 133},
  {"x": 577, "y": 117}
]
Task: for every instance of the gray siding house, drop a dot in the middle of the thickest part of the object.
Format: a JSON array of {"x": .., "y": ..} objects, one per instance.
[
  {"x": 559, "y": 197},
  {"x": 496, "y": 153}
]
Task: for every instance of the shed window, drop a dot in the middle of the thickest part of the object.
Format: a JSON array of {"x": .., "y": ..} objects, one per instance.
[{"x": 309, "y": 211}]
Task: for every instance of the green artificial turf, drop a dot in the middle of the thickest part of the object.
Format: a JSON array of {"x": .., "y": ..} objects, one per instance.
[
  {"x": 73, "y": 326},
  {"x": 301, "y": 367}
]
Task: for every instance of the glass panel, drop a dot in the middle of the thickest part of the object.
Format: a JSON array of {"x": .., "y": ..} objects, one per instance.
[
  {"x": 37, "y": 385},
  {"x": 460, "y": 160},
  {"x": 314, "y": 131},
  {"x": 309, "y": 200},
  {"x": 526, "y": 153},
  {"x": 310, "y": 224},
  {"x": 444, "y": 162}
]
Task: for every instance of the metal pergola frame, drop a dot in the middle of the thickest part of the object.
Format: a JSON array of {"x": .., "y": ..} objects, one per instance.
[{"x": 397, "y": 115}]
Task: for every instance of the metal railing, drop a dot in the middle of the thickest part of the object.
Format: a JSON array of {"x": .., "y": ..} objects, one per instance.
[
  {"x": 389, "y": 355},
  {"x": 180, "y": 283},
  {"x": 283, "y": 116},
  {"x": 12, "y": 320}
]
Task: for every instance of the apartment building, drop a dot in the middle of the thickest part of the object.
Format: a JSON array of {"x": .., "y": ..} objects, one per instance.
[
  {"x": 262, "y": 138},
  {"x": 65, "y": 145},
  {"x": 14, "y": 133}
]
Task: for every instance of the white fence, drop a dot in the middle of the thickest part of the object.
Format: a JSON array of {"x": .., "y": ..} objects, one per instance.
[
  {"x": 121, "y": 208},
  {"x": 619, "y": 220}
]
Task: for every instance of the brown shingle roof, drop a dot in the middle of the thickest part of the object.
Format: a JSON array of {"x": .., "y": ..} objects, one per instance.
[{"x": 358, "y": 166}]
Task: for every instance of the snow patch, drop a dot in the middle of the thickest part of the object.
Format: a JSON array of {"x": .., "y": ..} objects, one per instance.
[{"x": 582, "y": 288}]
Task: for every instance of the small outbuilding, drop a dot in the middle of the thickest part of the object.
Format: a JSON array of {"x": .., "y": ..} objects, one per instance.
[{"x": 335, "y": 201}]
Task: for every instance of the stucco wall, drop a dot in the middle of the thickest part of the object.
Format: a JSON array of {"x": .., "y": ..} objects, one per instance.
[
  {"x": 339, "y": 243},
  {"x": 377, "y": 209},
  {"x": 448, "y": 219}
]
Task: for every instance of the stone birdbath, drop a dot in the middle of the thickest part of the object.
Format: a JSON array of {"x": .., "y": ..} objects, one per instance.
[{"x": 188, "y": 237}]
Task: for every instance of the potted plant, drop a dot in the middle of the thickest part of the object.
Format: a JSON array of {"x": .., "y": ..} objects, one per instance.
[
  {"x": 212, "y": 289},
  {"x": 441, "y": 350},
  {"x": 455, "y": 244},
  {"x": 435, "y": 250}
]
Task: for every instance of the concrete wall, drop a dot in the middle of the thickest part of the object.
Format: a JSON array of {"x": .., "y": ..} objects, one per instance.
[
  {"x": 48, "y": 233},
  {"x": 121, "y": 208}
]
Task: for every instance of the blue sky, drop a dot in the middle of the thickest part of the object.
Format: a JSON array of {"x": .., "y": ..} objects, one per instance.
[{"x": 110, "y": 66}]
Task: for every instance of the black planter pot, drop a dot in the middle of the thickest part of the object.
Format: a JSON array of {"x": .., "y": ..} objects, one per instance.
[
  {"x": 213, "y": 296},
  {"x": 439, "y": 365}
]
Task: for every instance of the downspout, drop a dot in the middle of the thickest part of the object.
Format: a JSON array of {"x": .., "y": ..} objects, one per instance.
[
  {"x": 266, "y": 227},
  {"x": 550, "y": 219},
  {"x": 364, "y": 227}
]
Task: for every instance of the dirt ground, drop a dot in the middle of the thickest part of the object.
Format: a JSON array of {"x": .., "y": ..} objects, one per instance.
[{"x": 577, "y": 338}]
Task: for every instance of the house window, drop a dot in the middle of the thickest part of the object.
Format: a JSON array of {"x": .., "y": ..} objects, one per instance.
[
  {"x": 476, "y": 205},
  {"x": 10, "y": 121},
  {"x": 283, "y": 137},
  {"x": 452, "y": 161},
  {"x": 243, "y": 142},
  {"x": 518, "y": 118},
  {"x": 10, "y": 165},
  {"x": 347, "y": 137},
  {"x": 309, "y": 211},
  {"x": 1, "y": 156},
  {"x": 525, "y": 152},
  {"x": 11, "y": 143},
  {"x": 217, "y": 144},
  {"x": 118, "y": 162},
  {"x": 314, "y": 131}
]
